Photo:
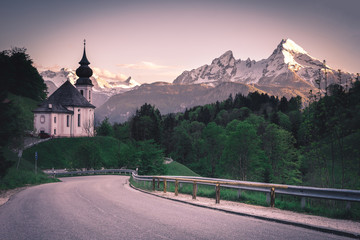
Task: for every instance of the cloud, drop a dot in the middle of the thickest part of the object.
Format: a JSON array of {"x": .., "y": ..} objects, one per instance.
[
  {"x": 41, "y": 68},
  {"x": 106, "y": 74},
  {"x": 146, "y": 66}
]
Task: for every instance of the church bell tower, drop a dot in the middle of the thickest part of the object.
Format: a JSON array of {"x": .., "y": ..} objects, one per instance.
[{"x": 84, "y": 72}]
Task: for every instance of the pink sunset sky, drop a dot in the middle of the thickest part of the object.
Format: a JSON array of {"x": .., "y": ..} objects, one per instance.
[{"x": 157, "y": 40}]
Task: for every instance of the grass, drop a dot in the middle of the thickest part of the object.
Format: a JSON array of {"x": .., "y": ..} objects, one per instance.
[
  {"x": 22, "y": 176},
  {"x": 176, "y": 169},
  {"x": 60, "y": 152}
]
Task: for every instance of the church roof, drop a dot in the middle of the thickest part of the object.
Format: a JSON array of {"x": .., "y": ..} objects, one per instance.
[{"x": 65, "y": 96}]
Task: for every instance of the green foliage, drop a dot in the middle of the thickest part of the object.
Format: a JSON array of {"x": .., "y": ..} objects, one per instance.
[
  {"x": 210, "y": 148},
  {"x": 23, "y": 175},
  {"x": 24, "y": 107},
  {"x": 145, "y": 124},
  {"x": 19, "y": 76},
  {"x": 21, "y": 87},
  {"x": 278, "y": 145},
  {"x": 105, "y": 128},
  {"x": 5, "y": 163},
  {"x": 150, "y": 158},
  {"x": 261, "y": 138},
  {"x": 12, "y": 125},
  {"x": 243, "y": 157}
]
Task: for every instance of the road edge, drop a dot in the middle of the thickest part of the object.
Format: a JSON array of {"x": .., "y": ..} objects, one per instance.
[{"x": 307, "y": 226}]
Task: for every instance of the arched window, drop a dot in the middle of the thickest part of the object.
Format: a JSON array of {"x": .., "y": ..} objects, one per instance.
[{"x": 82, "y": 92}]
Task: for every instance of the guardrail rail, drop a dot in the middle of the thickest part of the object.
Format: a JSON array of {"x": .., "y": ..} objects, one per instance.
[{"x": 270, "y": 189}]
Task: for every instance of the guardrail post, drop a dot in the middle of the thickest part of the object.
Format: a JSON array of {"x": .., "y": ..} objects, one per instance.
[
  {"x": 272, "y": 197},
  {"x": 303, "y": 202},
  {"x": 348, "y": 206},
  {"x": 153, "y": 184},
  {"x": 164, "y": 185},
  {"x": 239, "y": 193},
  {"x": 217, "y": 192},
  {"x": 158, "y": 183},
  {"x": 194, "y": 190},
  {"x": 176, "y": 187}
]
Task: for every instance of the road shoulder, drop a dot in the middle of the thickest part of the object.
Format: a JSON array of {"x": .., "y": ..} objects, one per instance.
[
  {"x": 339, "y": 227},
  {"x": 5, "y": 195}
]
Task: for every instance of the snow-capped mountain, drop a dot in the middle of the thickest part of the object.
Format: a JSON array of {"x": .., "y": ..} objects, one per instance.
[
  {"x": 288, "y": 66},
  {"x": 103, "y": 88}
]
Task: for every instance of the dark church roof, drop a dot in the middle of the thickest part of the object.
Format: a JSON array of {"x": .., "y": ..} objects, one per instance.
[
  {"x": 65, "y": 96},
  {"x": 84, "y": 72}
]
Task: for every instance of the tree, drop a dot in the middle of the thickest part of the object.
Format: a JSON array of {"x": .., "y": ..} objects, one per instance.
[
  {"x": 150, "y": 158},
  {"x": 19, "y": 76},
  {"x": 278, "y": 145},
  {"x": 184, "y": 151},
  {"x": 89, "y": 127},
  {"x": 213, "y": 143},
  {"x": 105, "y": 128},
  {"x": 122, "y": 131},
  {"x": 169, "y": 123},
  {"x": 242, "y": 154},
  {"x": 146, "y": 124}
]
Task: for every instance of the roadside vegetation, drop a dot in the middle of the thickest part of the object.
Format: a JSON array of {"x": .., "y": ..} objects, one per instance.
[
  {"x": 21, "y": 89},
  {"x": 254, "y": 138}
]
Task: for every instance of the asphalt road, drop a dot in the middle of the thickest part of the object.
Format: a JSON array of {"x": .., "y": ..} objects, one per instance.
[{"x": 105, "y": 207}]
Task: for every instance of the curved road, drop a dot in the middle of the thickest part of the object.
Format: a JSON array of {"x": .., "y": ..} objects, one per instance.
[{"x": 105, "y": 207}]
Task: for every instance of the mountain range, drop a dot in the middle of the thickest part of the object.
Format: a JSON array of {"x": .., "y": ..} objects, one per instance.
[
  {"x": 103, "y": 88},
  {"x": 289, "y": 71}
]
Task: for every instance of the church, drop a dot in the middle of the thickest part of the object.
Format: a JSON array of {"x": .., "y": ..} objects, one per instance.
[{"x": 68, "y": 112}]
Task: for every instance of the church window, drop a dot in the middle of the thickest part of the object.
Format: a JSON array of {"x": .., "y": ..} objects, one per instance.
[
  {"x": 54, "y": 131},
  {"x": 42, "y": 119},
  {"x": 89, "y": 95},
  {"x": 82, "y": 92},
  {"x": 67, "y": 120},
  {"x": 79, "y": 120},
  {"x": 54, "y": 119}
]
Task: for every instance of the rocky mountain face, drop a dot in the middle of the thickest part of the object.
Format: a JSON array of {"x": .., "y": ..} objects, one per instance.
[
  {"x": 288, "y": 66},
  {"x": 103, "y": 89}
]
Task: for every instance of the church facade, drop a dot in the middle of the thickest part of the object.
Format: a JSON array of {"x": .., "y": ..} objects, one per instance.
[{"x": 68, "y": 112}]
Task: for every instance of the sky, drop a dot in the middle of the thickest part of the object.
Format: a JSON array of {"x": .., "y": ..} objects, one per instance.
[{"x": 158, "y": 40}]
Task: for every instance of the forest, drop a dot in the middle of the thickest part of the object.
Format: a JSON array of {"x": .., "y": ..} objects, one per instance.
[{"x": 257, "y": 137}]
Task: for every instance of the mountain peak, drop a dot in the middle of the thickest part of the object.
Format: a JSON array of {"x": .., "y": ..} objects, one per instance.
[
  {"x": 227, "y": 59},
  {"x": 227, "y": 53},
  {"x": 291, "y": 46}
]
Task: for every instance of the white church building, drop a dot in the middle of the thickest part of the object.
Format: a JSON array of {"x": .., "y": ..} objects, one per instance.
[{"x": 68, "y": 112}]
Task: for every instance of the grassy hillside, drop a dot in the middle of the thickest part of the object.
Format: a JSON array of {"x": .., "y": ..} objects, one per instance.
[
  {"x": 66, "y": 152},
  {"x": 177, "y": 169}
]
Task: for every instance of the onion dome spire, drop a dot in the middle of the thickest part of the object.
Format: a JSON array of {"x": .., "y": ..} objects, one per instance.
[{"x": 84, "y": 71}]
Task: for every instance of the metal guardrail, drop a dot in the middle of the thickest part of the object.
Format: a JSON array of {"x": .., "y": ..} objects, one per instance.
[
  {"x": 269, "y": 189},
  {"x": 56, "y": 173}
]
